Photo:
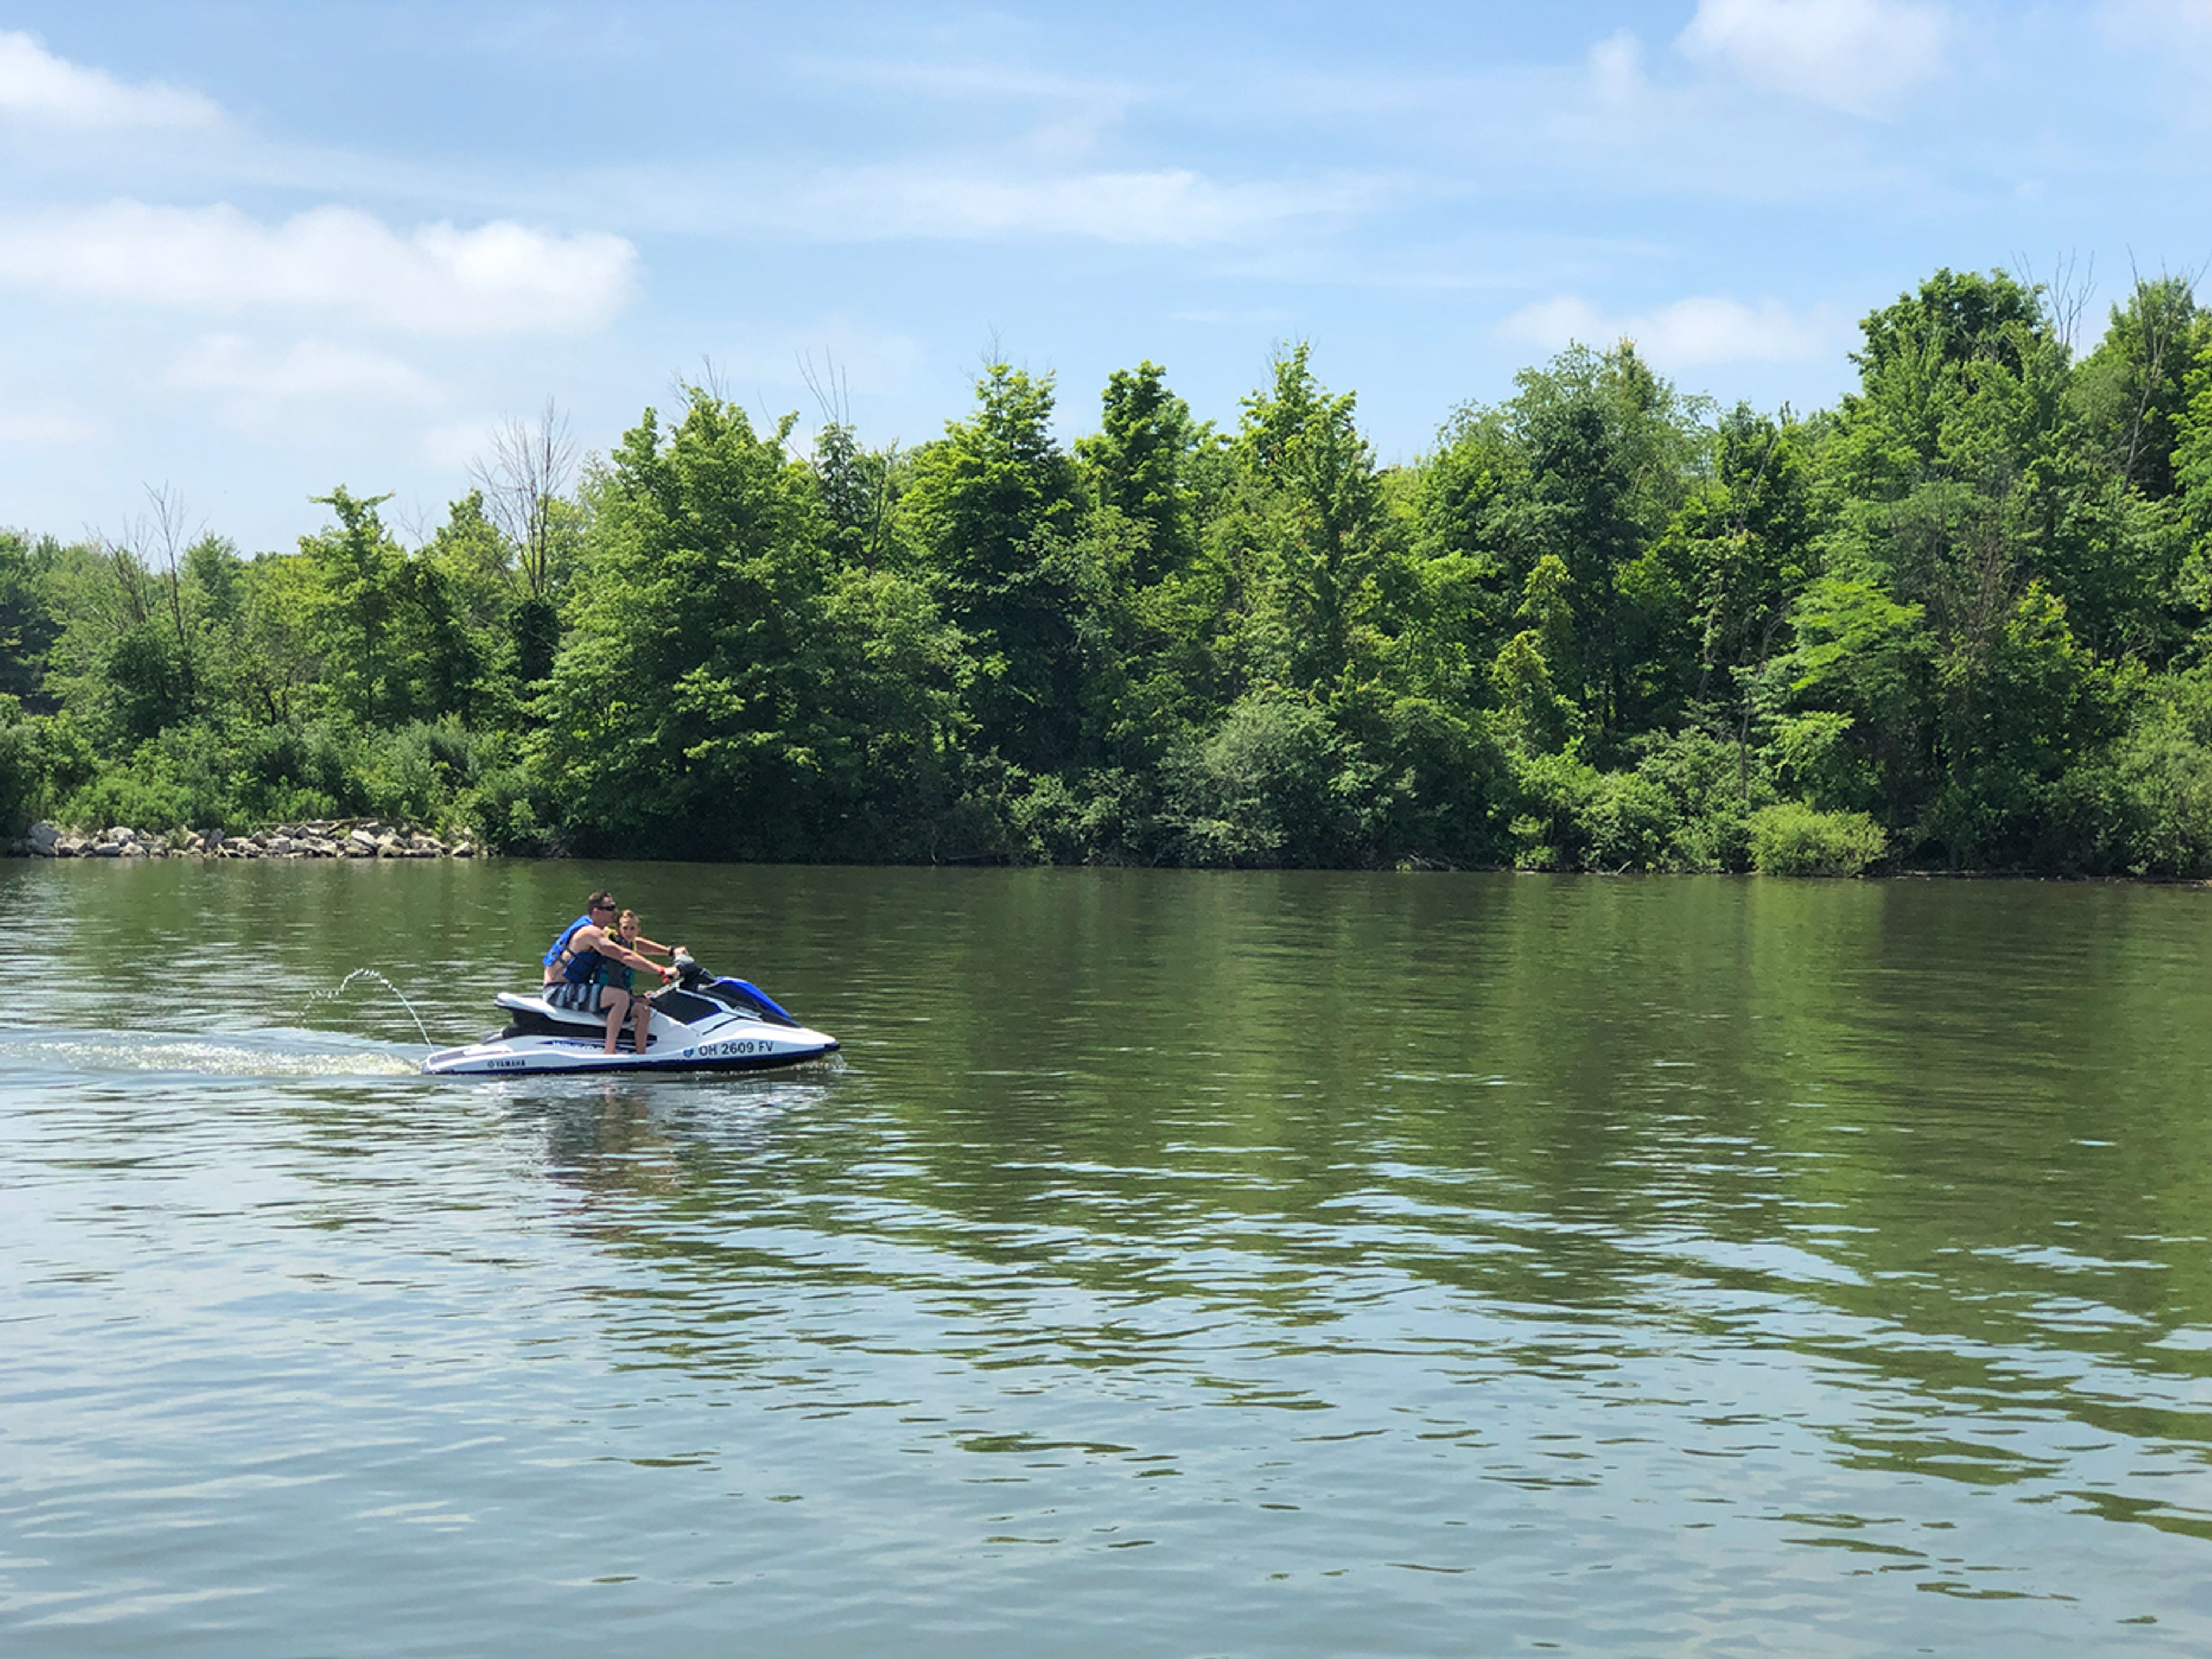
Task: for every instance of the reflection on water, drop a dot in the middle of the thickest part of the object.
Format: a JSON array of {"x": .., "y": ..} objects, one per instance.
[{"x": 1173, "y": 1263}]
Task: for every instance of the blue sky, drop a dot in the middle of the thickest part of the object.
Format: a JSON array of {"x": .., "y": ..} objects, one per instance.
[{"x": 252, "y": 250}]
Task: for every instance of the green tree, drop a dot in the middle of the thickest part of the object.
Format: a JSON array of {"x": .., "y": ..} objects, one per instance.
[
  {"x": 725, "y": 691},
  {"x": 992, "y": 505},
  {"x": 28, "y": 626},
  {"x": 1587, "y": 464},
  {"x": 388, "y": 627},
  {"x": 1306, "y": 530},
  {"x": 1138, "y": 463},
  {"x": 2131, "y": 390}
]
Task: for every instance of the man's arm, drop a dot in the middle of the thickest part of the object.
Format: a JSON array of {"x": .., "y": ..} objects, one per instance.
[{"x": 608, "y": 945}]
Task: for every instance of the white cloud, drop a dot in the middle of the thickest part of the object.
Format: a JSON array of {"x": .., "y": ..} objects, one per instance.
[
  {"x": 19, "y": 425},
  {"x": 1855, "y": 55},
  {"x": 947, "y": 200},
  {"x": 1174, "y": 206},
  {"x": 969, "y": 83},
  {"x": 500, "y": 278},
  {"x": 1701, "y": 329},
  {"x": 2150, "y": 22},
  {"x": 1274, "y": 316},
  {"x": 451, "y": 448},
  {"x": 229, "y": 363},
  {"x": 37, "y": 86},
  {"x": 1616, "y": 67}
]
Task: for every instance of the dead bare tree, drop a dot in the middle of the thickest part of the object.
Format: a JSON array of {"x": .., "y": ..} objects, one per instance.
[
  {"x": 830, "y": 387},
  {"x": 2066, "y": 295},
  {"x": 857, "y": 486},
  {"x": 152, "y": 551},
  {"x": 528, "y": 469}
]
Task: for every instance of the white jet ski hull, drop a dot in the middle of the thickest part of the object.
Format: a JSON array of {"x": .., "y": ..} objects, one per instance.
[{"x": 721, "y": 1031}]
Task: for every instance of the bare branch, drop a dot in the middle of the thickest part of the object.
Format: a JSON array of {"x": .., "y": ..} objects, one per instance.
[
  {"x": 529, "y": 467},
  {"x": 832, "y": 388},
  {"x": 710, "y": 381},
  {"x": 413, "y": 517},
  {"x": 154, "y": 543}
]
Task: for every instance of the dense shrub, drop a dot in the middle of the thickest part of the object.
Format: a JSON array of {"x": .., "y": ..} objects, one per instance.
[
  {"x": 1273, "y": 784},
  {"x": 174, "y": 781},
  {"x": 2163, "y": 770},
  {"x": 1792, "y": 839},
  {"x": 44, "y": 758}
]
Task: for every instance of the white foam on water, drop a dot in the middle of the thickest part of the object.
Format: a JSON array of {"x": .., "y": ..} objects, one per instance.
[{"x": 228, "y": 1055}]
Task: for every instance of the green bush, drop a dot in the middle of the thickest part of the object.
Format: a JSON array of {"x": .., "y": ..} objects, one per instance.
[
  {"x": 1558, "y": 795},
  {"x": 1272, "y": 784},
  {"x": 2163, "y": 768},
  {"x": 44, "y": 759},
  {"x": 1102, "y": 816},
  {"x": 1631, "y": 823},
  {"x": 174, "y": 781},
  {"x": 1716, "y": 787},
  {"x": 22, "y": 777},
  {"x": 1792, "y": 839}
]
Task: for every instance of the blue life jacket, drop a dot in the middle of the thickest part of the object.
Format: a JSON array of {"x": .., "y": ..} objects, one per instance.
[{"x": 578, "y": 968}]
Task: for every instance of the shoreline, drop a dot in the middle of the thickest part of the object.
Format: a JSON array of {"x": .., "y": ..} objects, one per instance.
[
  {"x": 314, "y": 838},
  {"x": 385, "y": 838}
]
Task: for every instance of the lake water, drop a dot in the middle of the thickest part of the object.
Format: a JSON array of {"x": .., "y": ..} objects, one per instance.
[{"x": 1171, "y": 1264}]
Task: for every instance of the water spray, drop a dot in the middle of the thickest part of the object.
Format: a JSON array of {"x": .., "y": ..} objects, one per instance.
[{"x": 313, "y": 996}]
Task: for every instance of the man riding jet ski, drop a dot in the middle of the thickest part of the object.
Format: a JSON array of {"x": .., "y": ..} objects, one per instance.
[
  {"x": 579, "y": 973},
  {"x": 701, "y": 1023}
]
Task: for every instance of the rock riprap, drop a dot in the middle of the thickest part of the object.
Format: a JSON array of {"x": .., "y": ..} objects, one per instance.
[{"x": 320, "y": 838}]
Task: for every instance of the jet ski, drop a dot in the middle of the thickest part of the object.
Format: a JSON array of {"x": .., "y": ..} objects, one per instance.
[{"x": 699, "y": 1024}]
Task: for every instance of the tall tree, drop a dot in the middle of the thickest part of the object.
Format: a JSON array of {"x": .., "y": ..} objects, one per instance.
[
  {"x": 992, "y": 505},
  {"x": 716, "y": 696}
]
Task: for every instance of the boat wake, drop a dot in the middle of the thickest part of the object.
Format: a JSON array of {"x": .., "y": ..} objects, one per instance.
[{"x": 225, "y": 1054}]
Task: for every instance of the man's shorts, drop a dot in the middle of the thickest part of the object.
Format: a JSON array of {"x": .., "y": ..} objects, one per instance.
[{"x": 564, "y": 993}]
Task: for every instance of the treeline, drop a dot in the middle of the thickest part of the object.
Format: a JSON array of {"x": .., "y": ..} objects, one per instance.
[{"x": 1959, "y": 621}]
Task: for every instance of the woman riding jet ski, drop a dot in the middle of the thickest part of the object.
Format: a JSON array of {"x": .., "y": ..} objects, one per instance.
[{"x": 699, "y": 1024}]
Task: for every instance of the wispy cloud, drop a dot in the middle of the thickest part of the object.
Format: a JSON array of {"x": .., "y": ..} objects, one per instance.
[
  {"x": 1855, "y": 55},
  {"x": 37, "y": 425},
  {"x": 232, "y": 364},
  {"x": 1690, "y": 332},
  {"x": 500, "y": 278},
  {"x": 1177, "y": 205},
  {"x": 1616, "y": 70},
  {"x": 2146, "y": 21},
  {"x": 988, "y": 199},
  {"x": 968, "y": 81},
  {"x": 454, "y": 446},
  {"x": 1062, "y": 115},
  {"x": 37, "y": 86}
]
